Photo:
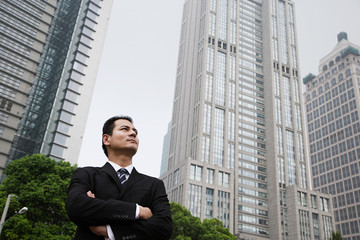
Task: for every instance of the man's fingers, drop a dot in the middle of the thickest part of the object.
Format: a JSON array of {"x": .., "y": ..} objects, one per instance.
[
  {"x": 99, "y": 230},
  {"x": 145, "y": 213},
  {"x": 90, "y": 194}
]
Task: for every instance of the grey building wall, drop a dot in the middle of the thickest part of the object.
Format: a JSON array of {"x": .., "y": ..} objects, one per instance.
[
  {"x": 237, "y": 139},
  {"x": 332, "y": 109},
  {"x": 52, "y": 113},
  {"x": 23, "y": 28}
]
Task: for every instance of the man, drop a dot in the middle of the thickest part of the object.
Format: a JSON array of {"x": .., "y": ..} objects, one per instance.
[{"x": 113, "y": 203}]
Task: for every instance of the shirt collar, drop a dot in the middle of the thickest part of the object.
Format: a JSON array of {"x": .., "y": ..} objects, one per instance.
[{"x": 117, "y": 167}]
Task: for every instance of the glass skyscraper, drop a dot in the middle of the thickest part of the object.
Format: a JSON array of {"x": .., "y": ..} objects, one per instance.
[
  {"x": 237, "y": 146},
  {"x": 332, "y": 107},
  {"x": 165, "y": 151},
  {"x": 49, "y": 58}
]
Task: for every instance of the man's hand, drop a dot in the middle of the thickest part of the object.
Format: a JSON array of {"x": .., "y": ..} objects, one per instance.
[
  {"x": 99, "y": 230},
  {"x": 90, "y": 194},
  {"x": 144, "y": 213}
]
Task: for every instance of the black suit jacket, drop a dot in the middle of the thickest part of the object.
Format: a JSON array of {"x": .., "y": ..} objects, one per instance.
[{"x": 115, "y": 204}]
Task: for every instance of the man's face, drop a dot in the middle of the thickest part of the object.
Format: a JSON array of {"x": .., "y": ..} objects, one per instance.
[{"x": 124, "y": 138}]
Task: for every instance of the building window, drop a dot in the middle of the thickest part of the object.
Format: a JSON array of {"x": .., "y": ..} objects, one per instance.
[
  {"x": 195, "y": 172},
  {"x": 220, "y": 79},
  {"x": 3, "y": 118},
  {"x": 66, "y": 117},
  {"x": 302, "y": 199},
  {"x": 341, "y": 77},
  {"x": 313, "y": 94},
  {"x": 207, "y": 118},
  {"x": 348, "y": 73},
  {"x": 60, "y": 139},
  {"x": 304, "y": 224},
  {"x": 63, "y": 127},
  {"x": 224, "y": 208},
  {"x": 209, "y": 203},
  {"x": 170, "y": 180},
  {"x": 218, "y": 150},
  {"x": 316, "y": 226},
  {"x": 57, "y": 150},
  {"x": 333, "y": 82},
  {"x": 224, "y": 179},
  {"x": 287, "y": 103},
  {"x": 210, "y": 176},
  {"x": 327, "y": 86},
  {"x": 290, "y": 153},
  {"x": 324, "y": 204},
  {"x": 327, "y": 226},
  {"x": 194, "y": 201},
  {"x": 176, "y": 176}
]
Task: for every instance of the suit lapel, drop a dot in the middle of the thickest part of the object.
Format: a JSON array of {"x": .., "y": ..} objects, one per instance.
[
  {"x": 134, "y": 177},
  {"x": 108, "y": 169}
]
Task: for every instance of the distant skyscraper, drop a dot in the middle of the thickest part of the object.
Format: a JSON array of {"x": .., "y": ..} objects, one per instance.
[
  {"x": 165, "y": 151},
  {"x": 333, "y": 106},
  {"x": 49, "y": 56},
  {"x": 237, "y": 135}
]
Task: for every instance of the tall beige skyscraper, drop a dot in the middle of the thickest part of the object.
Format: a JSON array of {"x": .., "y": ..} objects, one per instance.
[
  {"x": 49, "y": 56},
  {"x": 332, "y": 105},
  {"x": 237, "y": 146}
]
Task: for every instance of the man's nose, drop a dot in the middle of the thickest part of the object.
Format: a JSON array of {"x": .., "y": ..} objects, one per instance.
[{"x": 133, "y": 133}]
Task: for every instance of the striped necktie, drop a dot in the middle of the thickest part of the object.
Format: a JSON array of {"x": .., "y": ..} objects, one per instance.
[{"x": 122, "y": 175}]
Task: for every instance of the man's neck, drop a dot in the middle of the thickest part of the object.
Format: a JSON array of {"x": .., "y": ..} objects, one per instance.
[{"x": 122, "y": 161}]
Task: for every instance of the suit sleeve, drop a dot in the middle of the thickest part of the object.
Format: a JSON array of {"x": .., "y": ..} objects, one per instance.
[
  {"x": 159, "y": 226},
  {"x": 89, "y": 211}
]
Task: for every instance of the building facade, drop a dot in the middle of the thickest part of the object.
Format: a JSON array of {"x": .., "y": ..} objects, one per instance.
[
  {"x": 237, "y": 136},
  {"x": 165, "y": 151},
  {"x": 49, "y": 58},
  {"x": 332, "y": 106}
]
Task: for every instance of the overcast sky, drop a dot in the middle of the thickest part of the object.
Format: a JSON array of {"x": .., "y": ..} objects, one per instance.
[{"x": 138, "y": 67}]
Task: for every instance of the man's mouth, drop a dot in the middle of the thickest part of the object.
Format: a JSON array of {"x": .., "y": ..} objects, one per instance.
[{"x": 132, "y": 140}]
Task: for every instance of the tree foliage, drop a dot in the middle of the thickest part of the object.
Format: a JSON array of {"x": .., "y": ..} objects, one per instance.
[
  {"x": 40, "y": 184},
  {"x": 188, "y": 227},
  {"x": 336, "y": 236}
]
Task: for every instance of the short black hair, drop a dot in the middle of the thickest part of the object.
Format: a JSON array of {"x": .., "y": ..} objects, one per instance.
[{"x": 109, "y": 127}]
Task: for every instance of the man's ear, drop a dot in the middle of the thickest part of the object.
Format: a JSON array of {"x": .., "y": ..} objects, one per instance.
[{"x": 105, "y": 139}]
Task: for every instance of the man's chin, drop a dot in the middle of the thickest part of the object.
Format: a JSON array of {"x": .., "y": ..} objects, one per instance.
[{"x": 132, "y": 151}]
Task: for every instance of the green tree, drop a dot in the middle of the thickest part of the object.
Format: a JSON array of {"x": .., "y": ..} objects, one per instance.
[
  {"x": 188, "y": 227},
  {"x": 214, "y": 230},
  {"x": 336, "y": 236},
  {"x": 40, "y": 184}
]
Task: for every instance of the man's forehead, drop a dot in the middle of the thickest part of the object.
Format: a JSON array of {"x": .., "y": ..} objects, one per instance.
[{"x": 121, "y": 122}]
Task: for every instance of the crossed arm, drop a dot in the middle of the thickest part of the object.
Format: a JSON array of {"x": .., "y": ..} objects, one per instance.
[
  {"x": 144, "y": 213},
  {"x": 86, "y": 210}
]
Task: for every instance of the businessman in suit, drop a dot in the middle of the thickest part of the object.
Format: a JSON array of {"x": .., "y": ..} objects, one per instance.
[{"x": 115, "y": 201}]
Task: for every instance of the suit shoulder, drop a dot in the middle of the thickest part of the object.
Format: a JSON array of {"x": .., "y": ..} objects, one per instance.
[
  {"x": 88, "y": 168},
  {"x": 150, "y": 178}
]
